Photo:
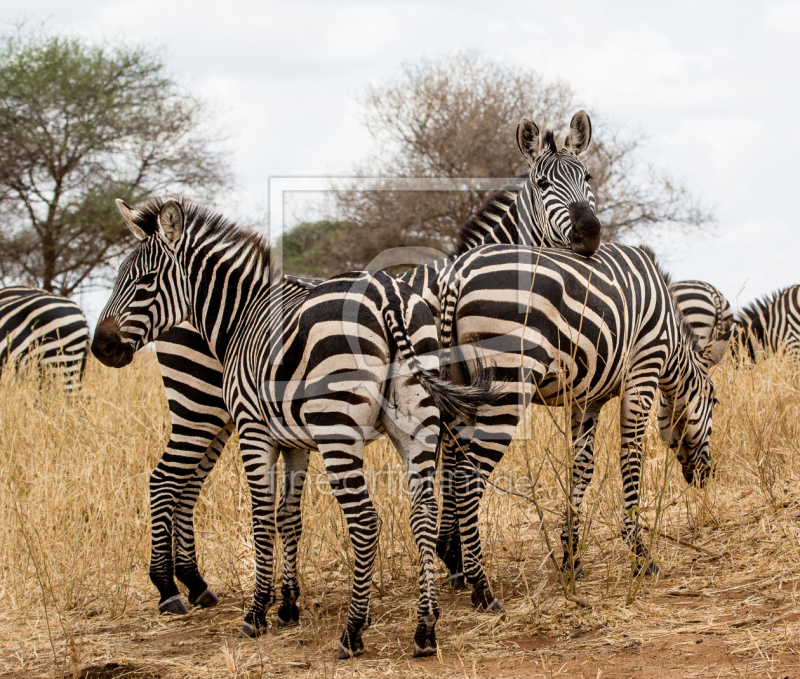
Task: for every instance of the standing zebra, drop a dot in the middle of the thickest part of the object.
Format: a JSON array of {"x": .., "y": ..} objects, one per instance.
[
  {"x": 564, "y": 329},
  {"x": 551, "y": 206},
  {"x": 771, "y": 324},
  {"x": 299, "y": 373},
  {"x": 41, "y": 329},
  {"x": 704, "y": 308}
]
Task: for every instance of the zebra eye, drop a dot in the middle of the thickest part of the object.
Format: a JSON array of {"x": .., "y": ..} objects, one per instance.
[
  {"x": 588, "y": 176},
  {"x": 542, "y": 182},
  {"x": 147, "y": 279}
]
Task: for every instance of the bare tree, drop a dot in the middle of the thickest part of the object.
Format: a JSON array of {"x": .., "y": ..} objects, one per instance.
[
  {"x": 456, "y": 117},
  {"x": 79, "y": 126}
]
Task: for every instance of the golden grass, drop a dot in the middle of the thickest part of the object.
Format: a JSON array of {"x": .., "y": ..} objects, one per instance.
[{"x": 75, "y": 599}]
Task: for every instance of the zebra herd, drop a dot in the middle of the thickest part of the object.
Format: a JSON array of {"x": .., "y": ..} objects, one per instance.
[{"x": 531, "y": 307}]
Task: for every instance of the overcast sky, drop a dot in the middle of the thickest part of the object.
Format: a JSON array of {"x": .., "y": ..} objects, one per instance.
[{"x": 714, "y": 85}]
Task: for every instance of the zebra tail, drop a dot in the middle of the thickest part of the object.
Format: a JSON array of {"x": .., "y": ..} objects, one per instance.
[{"x": 454, "y": 399}]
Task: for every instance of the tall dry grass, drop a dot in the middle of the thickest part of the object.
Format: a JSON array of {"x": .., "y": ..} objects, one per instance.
[{"x": 75, "y": 528}]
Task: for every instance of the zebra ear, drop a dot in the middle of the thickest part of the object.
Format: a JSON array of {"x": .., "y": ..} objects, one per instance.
[
  {"x": 713, "y": 352},
  {"x": 170, "y": 222},
  {"x": 528, "y": 138},
  {"x": 580, "y": 133},
  {"x": 127, "y": 215}
]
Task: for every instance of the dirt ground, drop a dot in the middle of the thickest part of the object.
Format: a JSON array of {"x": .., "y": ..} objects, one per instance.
[{"x": 711, "y": 618}]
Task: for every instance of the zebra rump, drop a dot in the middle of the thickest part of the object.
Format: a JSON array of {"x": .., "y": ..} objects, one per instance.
[{"x": 46, "y": 330}]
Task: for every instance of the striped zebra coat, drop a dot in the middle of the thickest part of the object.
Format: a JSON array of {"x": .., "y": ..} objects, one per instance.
[
  {"x": 45, "y": 330},
  {"x": 706, "y": 310},
  {"x": 299, "y": 373},
  {"x": 771, "y": 324},
  {"x": 563, "y": 329},
  {"x": 551, "y": 206}
]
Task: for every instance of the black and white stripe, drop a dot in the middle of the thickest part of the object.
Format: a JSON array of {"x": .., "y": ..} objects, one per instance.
[
  {"x": 562, "y": 329},
  {"x": 41, "y": 329},
  {"x": 704, "y": 308},
  {"x": 300, "y": 372},
  {"x": 771, "y": 325},
  {"x": 546, "y": 207}
]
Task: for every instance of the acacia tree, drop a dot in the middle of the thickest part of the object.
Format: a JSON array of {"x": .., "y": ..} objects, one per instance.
[
  {"x": 80, "y": 125},
  {"x": 456, "y": 117}
]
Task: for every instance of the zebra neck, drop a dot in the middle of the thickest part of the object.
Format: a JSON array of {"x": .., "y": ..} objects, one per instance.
[
  {"x": 682, "y": 375},
  {"x": 521, "y": 223},
  {"x": 225, "y": 282},
  {"x": 507, "y": 218}
]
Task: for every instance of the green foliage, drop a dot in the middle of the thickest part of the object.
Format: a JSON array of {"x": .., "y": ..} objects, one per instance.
[
  {"x": 308, "y": 248},
  {"x": 80, "y": 125}
]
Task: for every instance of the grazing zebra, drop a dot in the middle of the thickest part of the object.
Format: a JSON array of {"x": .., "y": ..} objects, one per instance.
[
  {"x": 299, "y": 373},
  {"x": 770, "y": 324},
  {"x": 704, "y": 308},
  {"x": 46, "y": 330},
  {"x": 563, "y": 329},
  {"x": 552, "y": 205}
]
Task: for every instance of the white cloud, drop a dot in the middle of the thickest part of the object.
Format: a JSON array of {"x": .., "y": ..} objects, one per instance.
[{"x": 782, "y": 18}]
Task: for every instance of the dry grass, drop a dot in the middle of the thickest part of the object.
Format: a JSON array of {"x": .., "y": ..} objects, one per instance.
[{"x": 76, "y": 600}]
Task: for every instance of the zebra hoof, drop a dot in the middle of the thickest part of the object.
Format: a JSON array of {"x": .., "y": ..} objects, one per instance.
[
  {"x": 494, "y": 607},
  {"x": 251, "y": 631},
  {"x": 651, "y": 568},
  {"x": 457, "y": 581},
  {"x": 207, "y": 599},
  {"x": 345, "y": 653},
  {"x": 288, "y": 616},
  {"x": 422, "y": 652},
  {"x": 425, "y": 637},
  {"x": 576, "y": 573},
  {"x": 350, "y": 643},
  {"x": 174, "y": 605}
]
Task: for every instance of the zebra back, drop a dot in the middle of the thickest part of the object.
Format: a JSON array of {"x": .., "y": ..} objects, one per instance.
[{"x": 771, "y": 324}]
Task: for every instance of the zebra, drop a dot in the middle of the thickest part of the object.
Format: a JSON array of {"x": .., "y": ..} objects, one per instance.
[
  {"x": 46, "y": 330},
  {"x": 704, "y": 307},
  {"x": 561, "y": 328},
  {"x": 770, "y": 324},
  {"x": 551, "y": 205},
  {"x": 299, "y": 373}
]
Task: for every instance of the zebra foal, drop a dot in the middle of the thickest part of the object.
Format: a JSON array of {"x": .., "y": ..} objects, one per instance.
[
  {"x": 300, "y": 372},
  {"x": 46, "y": 330}
]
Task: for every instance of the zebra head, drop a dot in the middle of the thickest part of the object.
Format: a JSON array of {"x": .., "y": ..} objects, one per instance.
[
  {"x": 562, "y": 200},
  {"x": 685, "y": 421},
  {"x": 149, "y": 294}
]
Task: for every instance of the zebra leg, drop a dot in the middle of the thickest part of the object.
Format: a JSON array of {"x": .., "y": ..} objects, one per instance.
[
  {"x": 635, "y": 404},
  {"x": 414, "y": 428},
  {"x": 448, "y": 543},
  {"x": 344, "y": 464},
  {"x": 167, "y": 482},
  {"x": 200, "y": 594},
  {"x": 260, "y": 459},
  {"x": 469, "y": 485},
  {"x": 290, "y": 525},
  {"x": 494, "y": 430},
  {"x": 584, "y": 421}
]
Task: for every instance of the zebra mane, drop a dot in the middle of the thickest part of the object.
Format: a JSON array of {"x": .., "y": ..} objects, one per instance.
[
  {"x": 687, "y": 334},
  {"x": 761, "y": 304},
  {"x": 549, "y": 142},
  {"x": 484, "y": 220},
  {"x": 146, "y": 218}
]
